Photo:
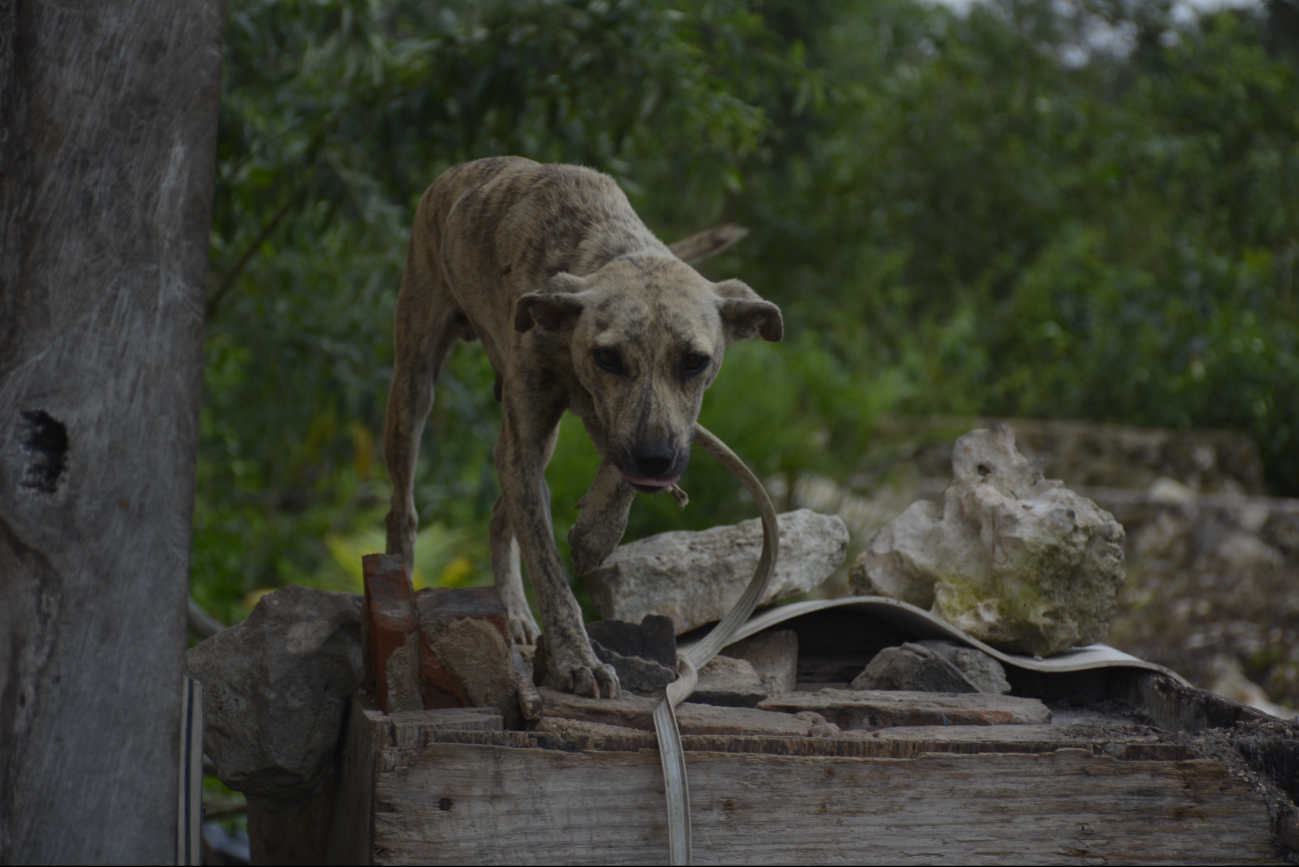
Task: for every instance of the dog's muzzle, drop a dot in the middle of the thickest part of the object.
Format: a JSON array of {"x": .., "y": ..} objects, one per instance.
[{"x": 656, "y": 467}]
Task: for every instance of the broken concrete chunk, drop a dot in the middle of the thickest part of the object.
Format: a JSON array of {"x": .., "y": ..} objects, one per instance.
[
  {"x": 467, "y": 656},
  {"x": 479, "y": 659},
  {"x": 727, "y": 682},
  {"x": 1014, "y": 560},
  {"x": 697, "y": 577},
  {"x": 276, "y": 689},
  {"x": 773, "y": 655},
  {"x": 914, "y": 668},
  {"x": 986, "y": 673},
  {"x": 392, "y": 631},
  {"x": 868, "y": 710}
]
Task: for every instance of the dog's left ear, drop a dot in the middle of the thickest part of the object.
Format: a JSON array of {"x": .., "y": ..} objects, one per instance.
[
  {"x": 555, "y": 305},
  {"x": 745, "y": 313}
]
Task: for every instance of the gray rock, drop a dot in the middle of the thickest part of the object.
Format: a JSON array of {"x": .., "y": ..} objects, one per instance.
[
  {"x": 636, "y": 675},
  {"x": 913, "y": 668},
  {"x": 275, "y": 691},
  {"x": 727, "y": 682},
  {"x": 1015, "y": 560},
  {"x": 773, "y": 655},
  {"x": 978, "y": 667},
  {"x": 697, "y": 577},
  {"x": 654, "y": 638}
]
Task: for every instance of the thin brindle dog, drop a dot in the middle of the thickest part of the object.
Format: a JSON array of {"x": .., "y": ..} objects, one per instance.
[{"x": 579, "y": 308}]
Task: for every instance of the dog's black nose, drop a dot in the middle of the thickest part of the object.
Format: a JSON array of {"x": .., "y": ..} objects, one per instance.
[{"x": 654, "y": 460}]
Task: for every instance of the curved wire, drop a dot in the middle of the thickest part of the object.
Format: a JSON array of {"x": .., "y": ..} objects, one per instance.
[{"x": 671, "y": 753}]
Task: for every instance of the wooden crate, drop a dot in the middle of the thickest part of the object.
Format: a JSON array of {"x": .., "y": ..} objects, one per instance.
[{"x": 426, "y": 787}]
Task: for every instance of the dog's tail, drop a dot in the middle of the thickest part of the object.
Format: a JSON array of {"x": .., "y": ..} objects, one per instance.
[{"x": 710, "y": 242}]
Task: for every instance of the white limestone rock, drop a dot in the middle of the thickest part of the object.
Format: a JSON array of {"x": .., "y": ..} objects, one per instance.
[
  {"x": 697, "y": 577},
  {"x": 1015, "y": 560}
]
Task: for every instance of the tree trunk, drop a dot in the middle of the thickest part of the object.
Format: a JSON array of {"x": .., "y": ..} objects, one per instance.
[{"x": 107, "y": 147}]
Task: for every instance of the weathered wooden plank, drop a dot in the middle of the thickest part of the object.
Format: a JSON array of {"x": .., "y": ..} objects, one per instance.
[
  {"x": 637, "y": 712},
  {"x": 481, "y": 805},
  {"x": 530, "y": 702},
  {"x": 1118, "y": 741},
  {"x": 871, "y": 709},
  {"x": 351, "y": 832},
  {"x": 410, "y": 728},
  {"x": 1175, "y": 707}
]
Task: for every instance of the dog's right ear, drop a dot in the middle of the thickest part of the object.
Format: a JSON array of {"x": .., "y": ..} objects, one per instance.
[
  {"x": 745, "y": 314},
  {"x": 553, "y": 306}
]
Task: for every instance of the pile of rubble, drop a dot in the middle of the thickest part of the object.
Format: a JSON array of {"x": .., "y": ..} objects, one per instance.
[
  {"x": 277, "y": 686},
  {"x": 1210, "y": 593}
]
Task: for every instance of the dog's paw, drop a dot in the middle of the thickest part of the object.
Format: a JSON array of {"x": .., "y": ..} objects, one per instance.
[
  {"x": 593, "y": 679},
  {"x": 597, "y": 681},
  {"x": 523, "y": 628}
]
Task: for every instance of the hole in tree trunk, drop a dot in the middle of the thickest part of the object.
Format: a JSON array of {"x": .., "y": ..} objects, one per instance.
[{"x": 45, "y": 440}]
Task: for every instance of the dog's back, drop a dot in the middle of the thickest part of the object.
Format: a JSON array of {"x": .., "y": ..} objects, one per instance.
[{"x": 531, "y": 221}]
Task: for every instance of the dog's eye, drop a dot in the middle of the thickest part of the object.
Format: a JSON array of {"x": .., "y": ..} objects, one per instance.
[
  {"x": 609, "y": 360},
  {"x": 695, "y": 362}
]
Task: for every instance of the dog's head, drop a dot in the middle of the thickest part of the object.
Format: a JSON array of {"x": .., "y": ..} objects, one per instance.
[{"x": 646, "y": 336}]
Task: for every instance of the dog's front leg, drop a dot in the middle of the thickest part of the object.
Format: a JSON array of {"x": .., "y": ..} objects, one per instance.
[
  {"x": 520, "y": 465},
  {"x": 600, "y": 526}
]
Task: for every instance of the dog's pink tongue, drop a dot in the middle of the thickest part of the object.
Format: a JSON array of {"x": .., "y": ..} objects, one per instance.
[{"x": 654, "y": 483}]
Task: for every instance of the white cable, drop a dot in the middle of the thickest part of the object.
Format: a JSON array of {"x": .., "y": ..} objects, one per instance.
[{"x": 671, "y": 753}]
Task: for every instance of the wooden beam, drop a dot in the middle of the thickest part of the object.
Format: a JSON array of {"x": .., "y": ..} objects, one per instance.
[{"x": 468, "y": 804}]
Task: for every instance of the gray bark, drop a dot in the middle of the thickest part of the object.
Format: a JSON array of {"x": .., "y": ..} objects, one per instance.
[{"x": 107, "y": 148}]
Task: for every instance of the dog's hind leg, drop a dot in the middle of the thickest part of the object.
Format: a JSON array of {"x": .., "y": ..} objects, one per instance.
[
  {"x": 600, "y": 526},
  {"x": 505, "y": 566},
  {"x": 427, "y": 324}
]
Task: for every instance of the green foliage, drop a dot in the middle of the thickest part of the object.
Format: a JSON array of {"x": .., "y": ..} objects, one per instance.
[
  {"x": 983, "y": 214},
  {"x": 1012, "y": 234}
]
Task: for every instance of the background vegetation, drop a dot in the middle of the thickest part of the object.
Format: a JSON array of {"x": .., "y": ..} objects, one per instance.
[{"x": 1054, "y": 208}]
